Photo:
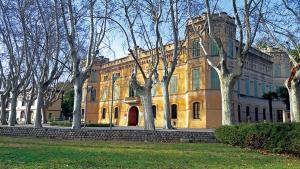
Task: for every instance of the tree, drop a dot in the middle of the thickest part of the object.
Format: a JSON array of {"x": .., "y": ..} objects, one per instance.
[
  {"x": 270, "y": 96},
  {"x": 67, "y": 104},
  {"x": 77, "y": 26},
  {"x": 283, "y": 29},
  {"x": 247, "y": 23},
  {"x": 15, "y": 43},
  {"x": 283, "y": 94},
  {"x": 4, "y": 93}
]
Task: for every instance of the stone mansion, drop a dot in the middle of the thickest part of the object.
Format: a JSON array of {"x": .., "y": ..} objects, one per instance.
[{"x": 195, "y": 96}]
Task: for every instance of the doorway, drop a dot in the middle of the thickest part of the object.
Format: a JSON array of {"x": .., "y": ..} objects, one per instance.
[{"x": 133, "y": 116}]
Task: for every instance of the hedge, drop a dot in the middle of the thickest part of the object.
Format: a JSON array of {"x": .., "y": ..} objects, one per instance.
[{"x": 272, "y": 137}]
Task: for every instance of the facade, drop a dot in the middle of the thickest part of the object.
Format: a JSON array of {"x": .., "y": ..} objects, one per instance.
[
  {"x": 195, "y": 96},
  {"x": 52, "y": 112}
]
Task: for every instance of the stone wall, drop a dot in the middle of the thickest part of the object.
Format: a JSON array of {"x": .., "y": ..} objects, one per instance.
[{"x": 100, "y": 134}]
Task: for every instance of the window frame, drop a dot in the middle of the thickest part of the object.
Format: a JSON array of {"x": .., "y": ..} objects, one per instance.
[{"x": 196, "y": 110}]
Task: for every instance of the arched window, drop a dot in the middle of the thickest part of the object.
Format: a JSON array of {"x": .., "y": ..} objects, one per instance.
[
  {"x": 154, "y": 111},
  {"x": 196, "y": 110},
  {"x": 174, "y": 111},
  {"x": 116, "y": 112}
]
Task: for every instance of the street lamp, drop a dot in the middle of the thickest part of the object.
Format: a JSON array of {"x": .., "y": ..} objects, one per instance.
[
  {"x": 114, "y": 78},
  {"x": 88, "y": 88}
]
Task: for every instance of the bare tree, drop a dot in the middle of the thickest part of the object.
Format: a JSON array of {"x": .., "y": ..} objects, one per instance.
[
  {"x": 77, "y": 27},
  {"x": 246, "y": 25},
  {"x": 282, "y": 26},
  {"x": 15, "y": 42},
  {"x": 4, "y": 93}
]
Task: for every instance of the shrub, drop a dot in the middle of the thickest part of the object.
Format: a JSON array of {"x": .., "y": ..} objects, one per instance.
[
  {"x": 273, "y": 137},
  {"x": 61, "y": 123},
  {"x": 96, "y": 125}
]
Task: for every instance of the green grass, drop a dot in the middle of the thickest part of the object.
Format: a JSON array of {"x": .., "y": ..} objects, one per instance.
[{"x": 49, "y": 153}]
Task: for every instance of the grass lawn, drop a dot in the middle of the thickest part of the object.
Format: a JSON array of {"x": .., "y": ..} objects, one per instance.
[{"x": 49, "y": 153}]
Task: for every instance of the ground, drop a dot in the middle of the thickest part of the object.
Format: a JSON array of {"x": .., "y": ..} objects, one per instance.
[{"x": 49, "y": 153}]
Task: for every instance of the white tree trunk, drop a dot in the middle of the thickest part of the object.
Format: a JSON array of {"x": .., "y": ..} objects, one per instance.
[
  {"x": 39, "y": 105},
  {"x": 77, "y": 105},
  {"x": 13, "y": 110},
  {"x": 3, "y": 111},
  {"x": 44, "y": 115},
  {"x": 166, "y": 103},
  {"x": 148, "y": 113},
  {"x": 227, "y": 86},
  {"x": 294, "y": 94}
]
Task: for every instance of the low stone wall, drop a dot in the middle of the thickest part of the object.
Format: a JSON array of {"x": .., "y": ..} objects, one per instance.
[{"x": 125, "y": 135}]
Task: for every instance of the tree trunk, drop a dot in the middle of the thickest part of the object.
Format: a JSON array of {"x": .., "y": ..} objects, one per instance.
[
  {"x": 166, "y": 102},
  {"x": 148, "y": 113},
  {"x": 77, "y": 105},
  {"x": 28, "y": 112},
  {"x": 13, "y": 110},
  {"x": 294, "y": 93},
  {"x": 227, "y": 86},
  {"x": 39, "y": 105},
  {"x": 44, "y": 115},
  {"x": 3, "y": 111},
  {"x": 270, "y": 100}
]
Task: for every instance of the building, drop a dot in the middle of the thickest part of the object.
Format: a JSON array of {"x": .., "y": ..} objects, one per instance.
[
  {"x": 52, "y": 112},
  {"x": 194, "y": 88}
]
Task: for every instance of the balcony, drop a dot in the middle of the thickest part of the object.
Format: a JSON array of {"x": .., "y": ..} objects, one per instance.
[{"x": 132, "y": 100}]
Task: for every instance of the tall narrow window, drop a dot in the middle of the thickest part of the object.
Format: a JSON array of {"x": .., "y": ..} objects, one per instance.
[
  {"x": 154, "y": 111},
  {"x": 131, "y": 91},
  {"x": 247, "y": 87},
  {"x": 195, "y": 79},
  {"x": 103, "y": 113},
  {"x": 248, "y": 114},
  {"x": 153, "y": 90},
  {"x": 214, "y": 48},
  {"x": 239, "y": 113},
  {"x": 263, "y": 88},
  {"x": 173, "y": 85},
  {"x": 116, "y": 92},
  {"x": 256, "y": 114},
  {"x": 196, "y": 110},
  {"x": 116, "y": 114},
  {"x": 174, "y": 111},
  {"x": 215, "y": 82},
  {"x": 93, "y": 95},
  {"x": 94, "y": 76},
  {"x": 230, "y": 48},
  {"x": 277, "y": 70},
  {"x": 196, "y": 49},
  {"x": 239, "y": 86},
  {"x": 255, "y": 88},
  {"x": 264, "y": 114}
]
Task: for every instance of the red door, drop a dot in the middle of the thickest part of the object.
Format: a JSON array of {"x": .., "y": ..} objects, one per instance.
[{"x": 133, "y": 116}]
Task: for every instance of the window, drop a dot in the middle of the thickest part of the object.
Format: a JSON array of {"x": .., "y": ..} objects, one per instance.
[
  {"x": 154, "y": 111},
  {"x": 230, "y": 48},
  {"x": 49, "y": 115},
  {"x": 116, "y": 92},
  {"x": 263, "y": 88},
  {"x": 23, "y": 102},
  {"x": 173, "y": 85},
  {"x": 239, "y": 113},
  {"x": 116, "y": 114},
  {"x": 82, "y": 112},
  {"x": 264, "y": 114},
  {"x": 131, "y": 91},
  {"x": 104, "y": 94},
  {"x": 247, "y": 87},
  {"x": 22, "y": 115},
  {"x": 248, "y": 113},
  {"x": 153, "y": 90},
  {"x": 174, "y": 111},
  {"x": 195, "y": 79},
  {"x": 215, "y": 83},
  {"x": 94, "y": 76},
  {"x": 103, "y": 113},
  {"x": 196, "y": 49},
  {"x": 105, "y": 77},
  {"x": 287, "y": 70},
  {"x": 255, "y": 88},
  {"x": 196, "y": 110},
  {"x": 93, "y": 95},
  {"x": 277, "y": 70},
  {"x": 214, "y": 48},
  {"x": 256, "y": 114}
]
